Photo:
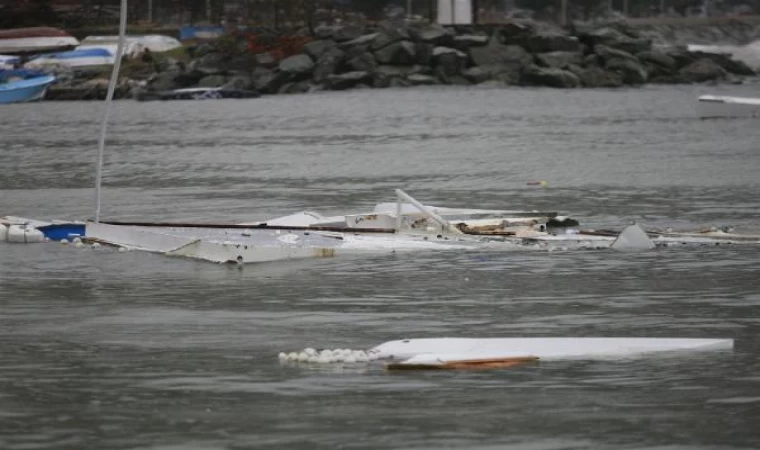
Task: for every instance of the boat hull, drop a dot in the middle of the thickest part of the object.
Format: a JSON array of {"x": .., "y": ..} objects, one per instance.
[
  {"x": 711, "y": 106},
  {"x": 25, "y": 90},
  {"x": 426, "y": 351}
]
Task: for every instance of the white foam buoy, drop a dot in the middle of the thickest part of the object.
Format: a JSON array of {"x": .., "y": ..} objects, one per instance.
[
  {"x": 21, "y": 234},
  {"x": 78, "y": 244},
  {"x": 76, "y": 240},
  {"x": 95, "y": 246},
  {"x": 122, "y": 250},
  {"x": 282, "y": 356},
  {"x": 64, "y": 241}
]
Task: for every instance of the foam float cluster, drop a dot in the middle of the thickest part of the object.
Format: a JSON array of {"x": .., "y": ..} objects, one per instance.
[{"x": 327, "y": 356}]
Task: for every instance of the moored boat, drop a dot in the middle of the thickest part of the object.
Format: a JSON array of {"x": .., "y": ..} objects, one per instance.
[
  {"x": 76, "y": 59},
  {"x": 715, "y": 106},
  {"x": 19, "y": 86},
  {"x": 35, "y": 40}
]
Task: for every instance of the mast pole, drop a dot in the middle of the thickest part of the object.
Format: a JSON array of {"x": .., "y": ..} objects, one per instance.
[{"x": 109, "y": 100}]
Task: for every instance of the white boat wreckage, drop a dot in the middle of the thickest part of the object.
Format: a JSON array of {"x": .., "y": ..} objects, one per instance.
[
  {"x": 715, "y": 106},
  {"x": 404, "y": 226},
  {"x": 498, "y": 353}
]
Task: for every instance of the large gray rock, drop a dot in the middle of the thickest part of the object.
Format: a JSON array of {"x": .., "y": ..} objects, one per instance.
[
  {"x": 364, "y": 40},
  {"x": 268, "y": 81},
  {"x": 244, "y": 62},
  {"x": 388, "y": 37},
  {"x": 402, "y": 52},
  {"x": 657, "y": 58},
  {"x": 449, "y": 61},
  {"x": 299, "y": 87},
  {"x": 632, "y": 72},
  {"x": 465, "y": 41},
  {"x": 244, "y": 82},
  {"x": 614, "y": 38},
  {"x": 515, "y": 33},
  {"x": 436, "y": 35},
  {"x": 315, "y": 49},
  {"x": 725, "y": 61},
  {"x": 608, "y": 53},
  {"x": 266, "y": 59},
  {"x": 541, "y": 76},
  {"x": 423, "y": 53},
  {"x": 549, "y": 42},
  {"x": 165, "y": 81},
  {"x": 402, "y": 71},
  {"x": 347, "y": 33},
  {"x": 364, "y": 62},
  {"x": 596, "y": 77},
  {"x": 212, "y": 81},
  {"x": 209, "y": 64},
  {"x": 328, "y": 64},
  {"x": 558, "y": 60},
  {"x": 297, "y": 65},
  {"x": 348, "y": 80},
  {"x": 702, "y": 70},
  {"x": 512, "y": 57},
  {"x": 417, "y": 79},
  {"x": 477, "y": 74}
]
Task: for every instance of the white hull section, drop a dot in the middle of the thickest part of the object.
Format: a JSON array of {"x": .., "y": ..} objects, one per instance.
[
  {"x": 447, "y": 350},
  {"x": 92, "y": 61},
  {"x": 712, "y": 106},
  {"x": 36, "y": 44}
]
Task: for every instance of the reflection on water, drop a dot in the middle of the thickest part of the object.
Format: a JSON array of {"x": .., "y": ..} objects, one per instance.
[{"x": 130, "y": 350}]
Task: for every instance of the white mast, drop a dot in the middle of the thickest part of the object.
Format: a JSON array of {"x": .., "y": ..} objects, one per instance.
[{"x": 109, "y": 100}]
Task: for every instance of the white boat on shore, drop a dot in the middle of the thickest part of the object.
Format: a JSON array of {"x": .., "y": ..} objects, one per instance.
[
  {"x": 715, "y": 106},
  {"x": 35, "y": 40},
  {"x": 134, "y": 44}
]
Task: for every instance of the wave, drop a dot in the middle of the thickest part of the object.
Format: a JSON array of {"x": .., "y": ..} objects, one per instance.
[{"x": 749, "y": 54}]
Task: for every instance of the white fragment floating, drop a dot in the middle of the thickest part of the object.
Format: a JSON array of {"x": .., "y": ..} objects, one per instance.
[{"x": 326, "y": 356}]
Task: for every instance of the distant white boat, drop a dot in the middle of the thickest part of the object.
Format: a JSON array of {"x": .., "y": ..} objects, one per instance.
[
  {"x": 76, "y": 59},
  {"x": 715, "y": 106},
  {"x": 135, "y": 45},
  {"x": 35, "y": 40},
  {"x": 8, "y": 62}
]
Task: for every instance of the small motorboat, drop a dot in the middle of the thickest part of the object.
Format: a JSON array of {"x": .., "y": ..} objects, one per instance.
[
  {"x": 35, "y": 40},
  {"x": 715, "y": 106},
  {"x": 198, "y": 93},
  {"x": 19, "y": 86}
]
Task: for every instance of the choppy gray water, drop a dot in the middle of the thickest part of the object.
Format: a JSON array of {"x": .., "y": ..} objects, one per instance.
[{"x": 102, "y": 350}]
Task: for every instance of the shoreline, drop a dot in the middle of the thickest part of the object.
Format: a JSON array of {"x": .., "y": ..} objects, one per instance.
[{"x": 392, "y": 54}]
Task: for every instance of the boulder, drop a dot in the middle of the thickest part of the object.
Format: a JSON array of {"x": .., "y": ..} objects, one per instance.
[
  {"x": 608, "y": 53},
  {"x": 268, "y": 81},
  {"x": 212, "y": 81},
  {"x": 558, "y": 60},
  {"x": 401, "y": 71},
  {"x": 477, "y": 74},
  {"x": 365, "y": 40},
  {"x": 423, "y": 53},
  {"x": 614, "y": 38},
  {"x": 402, "y": 52},
  {"x": 551, "y": 42},
  {"x": 209, "y": 64},
  {"x": 417, "y": 79},
  {"x": 328, "y": 64},
  {"x": 300, "y": 87},
  {"x": 297, "y": 65},
  {"x": 165, "y": 81},
  {"x": 362, "y": 63},
  {"x": 244, "y": 62},
  {"x": 435, "y": 34},
  {"x": 397, "y": 82},
  {"x": 449, "y": 61},
  {"x": 466, "y": 41},
  {"x": 511, "y": 57},
  {"x": 596, "y": 77},
  {"x": 388, "y": 37},
  {"x": 243, "y": 82},
  {"x": 266, "y": 59},
  {"x": 657, "y": 58},
  {"x": 632, "y": 72},
  {"x": 315, "y": 49},
  {"x": 187, "y": 79},
  {"x": 324, "y": 32},
  {"x": 702, "y": 70},
  {"x": 725, "y": 61},
  {"x": 541, "y": 76},
  {"x": 347, "y": 33},
  {"x": 348, "y": 80},
  {"x": 515, "y": 33}
]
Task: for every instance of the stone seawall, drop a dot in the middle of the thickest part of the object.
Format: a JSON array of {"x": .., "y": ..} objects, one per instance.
[{"x": 402, "y": 55}]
